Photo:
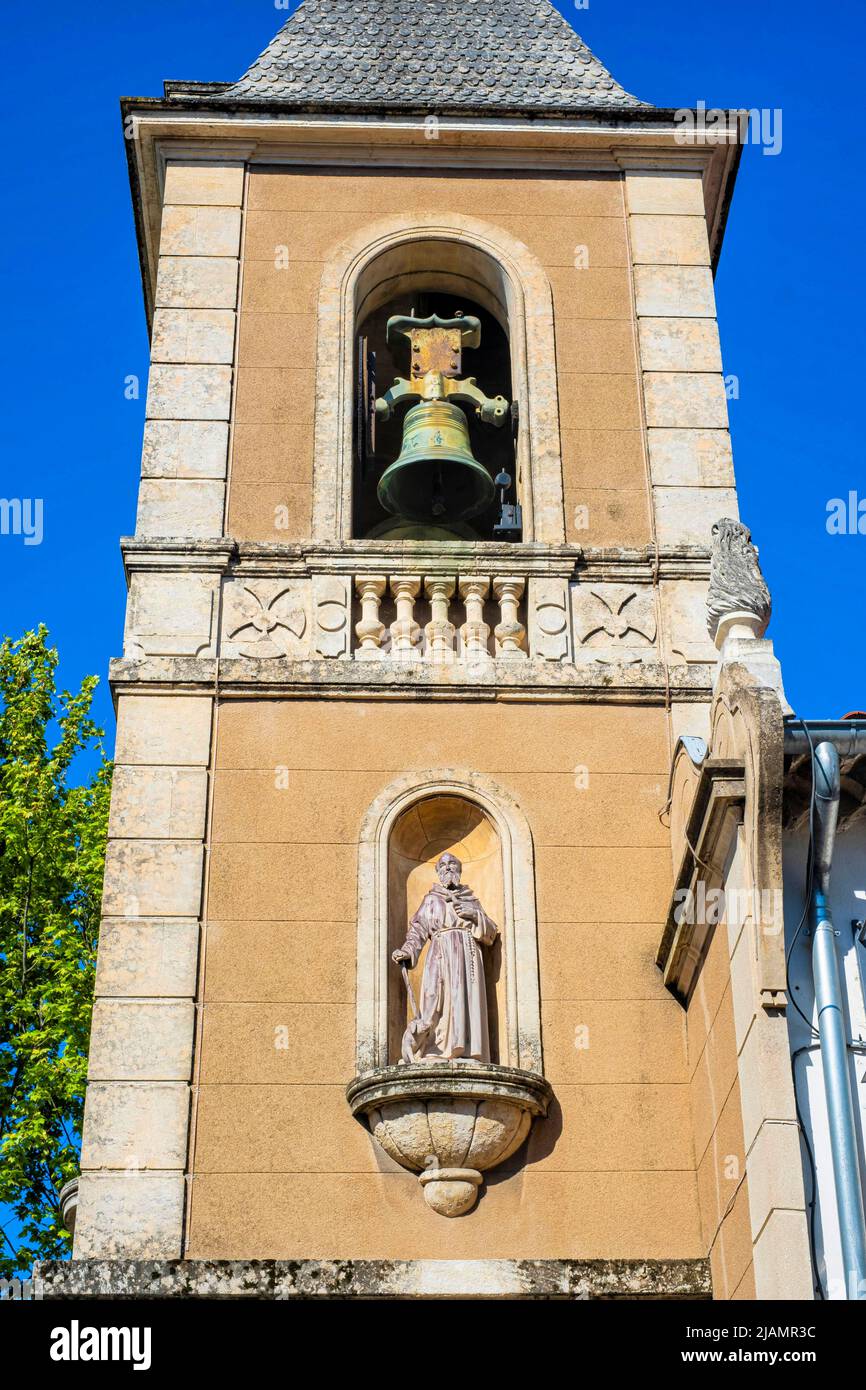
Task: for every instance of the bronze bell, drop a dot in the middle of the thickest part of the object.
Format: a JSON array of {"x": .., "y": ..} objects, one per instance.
[{"x": 437, "y": 477}]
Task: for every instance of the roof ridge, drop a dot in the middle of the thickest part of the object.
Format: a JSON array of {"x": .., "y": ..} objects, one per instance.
[{"x": 445, "y": 54}]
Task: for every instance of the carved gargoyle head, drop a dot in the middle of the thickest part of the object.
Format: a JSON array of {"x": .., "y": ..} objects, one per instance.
[{"x": 736, "y": 582}]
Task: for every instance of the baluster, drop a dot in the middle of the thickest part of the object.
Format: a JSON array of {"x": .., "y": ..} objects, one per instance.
[
  {"x": 475, "y": 633},
  {"x": 509, "y": 632},
  {"x": 405, "y": 632},
  {"x": 369, "y": 630},
  {"x": 439, "y": 631}
]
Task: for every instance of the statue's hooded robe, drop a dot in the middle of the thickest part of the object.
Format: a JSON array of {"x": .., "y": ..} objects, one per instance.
[{"x": 453, "y": 1004}]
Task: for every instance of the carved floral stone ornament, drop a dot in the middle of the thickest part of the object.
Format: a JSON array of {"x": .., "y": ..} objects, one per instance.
[
  {"x": 446, "y": 1111},
  {"x": 267, "y": 619},
  {"x": 613, "y": 619},
  {"x": 738, "y": 601}
]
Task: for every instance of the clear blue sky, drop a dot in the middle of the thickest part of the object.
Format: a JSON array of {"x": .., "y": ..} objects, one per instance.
[{"x": 789, "y": 293}]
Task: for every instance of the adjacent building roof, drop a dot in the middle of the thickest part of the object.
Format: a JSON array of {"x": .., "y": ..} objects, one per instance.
[{"x": 430, "y": 54}]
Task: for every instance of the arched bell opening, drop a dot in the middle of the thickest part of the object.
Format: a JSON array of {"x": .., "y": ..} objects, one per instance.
[
  {"x": 421, "y": 834},
  {"x": 454, "y": 254},
  {"x": 402, "y": 488}
]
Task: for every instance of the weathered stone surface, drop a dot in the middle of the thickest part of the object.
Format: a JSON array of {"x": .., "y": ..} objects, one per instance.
[
  {"x": 690, "y": 458},
  {"x": 674, "y": 292},
  {"x": 199, "y": 181},
  {"x": 549, "y": 624},
  {"x": 679, "y": 345},
  {"x": 691, "y": 719},
  {"x": 265, "y": 618},
  {"x": 141, "y": 1040},
  {"x": 200, "y": 231},
  {"x": 183, "y": 392},
  {"x": 686, "y": 515},
  {"x": 164, "y": 729},
  {"x": 149, "y": 958},
  {"x": 197, "y": 282},
  {"x": 764, "y": 1068},
  {"x": 187, "y": 507},
  {"x": 549, "y": 678},
  {"x": 775, "y": 1174},
  {"x": 152, "y": 878},
  {"x": 660, "y": 191},
  {"x": 669, "y": 240},
  {"x": 783, "y": 1267},
  {"x": 193, "y": 335},
  {"x": 332, "y": 613},
  {"x": 691, "y": 400},
  {"x": 185, "y": 449},
  {"x": 155, "y": 803},
  {"x": 613, "y": 623},
  {"x": 284, "y": 1279},
  {"x": 129, "y": 1215},
  {"x": 683, "y": 616},
  {"x": 135, "y": 1125},
  {"x": 171, "y": 614}
]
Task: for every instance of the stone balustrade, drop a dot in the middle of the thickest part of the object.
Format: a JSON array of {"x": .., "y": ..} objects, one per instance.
[{"x": 455, "y": 611}]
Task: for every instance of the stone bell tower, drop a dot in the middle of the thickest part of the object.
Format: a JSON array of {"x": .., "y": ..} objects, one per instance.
[{"x": 436, "y": 436}]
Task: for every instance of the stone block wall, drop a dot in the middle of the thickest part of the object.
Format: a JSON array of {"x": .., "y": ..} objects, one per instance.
[
  {"x": 192, "y": 352},
  {"x": 134, "y": 1154},
  {"x": 685, "y": 405}
]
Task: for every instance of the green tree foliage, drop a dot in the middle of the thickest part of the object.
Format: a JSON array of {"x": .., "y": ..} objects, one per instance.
[{"x": 52, "y": 849}]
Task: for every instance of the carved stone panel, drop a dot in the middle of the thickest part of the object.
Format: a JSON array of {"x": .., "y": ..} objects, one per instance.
[
  {"x": 265, "y": 618},
  {"x": 549, "y": 628},
  {"x": 170, "y": 615},
  {"x": 332, "y": 611},
  {"x": 683, "y": 620},
  {"x": 614, "y": 623}
]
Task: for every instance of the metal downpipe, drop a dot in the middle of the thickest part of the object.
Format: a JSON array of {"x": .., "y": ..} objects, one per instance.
[{"x": 832, "y": 1028}]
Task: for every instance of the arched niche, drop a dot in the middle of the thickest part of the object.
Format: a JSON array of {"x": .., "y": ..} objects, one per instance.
[
  {"x": 409, "y": 824},
  {"x": 467, "y": 258},
  {"x": 420, "y": 834}
]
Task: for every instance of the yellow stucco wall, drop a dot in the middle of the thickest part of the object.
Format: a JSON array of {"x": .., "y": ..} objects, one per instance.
[
  {"x": 280, "y": 1169},
  {"x": 574, "y": 224}
]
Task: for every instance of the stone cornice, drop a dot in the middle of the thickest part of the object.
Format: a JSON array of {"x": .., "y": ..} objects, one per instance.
[
  {"x": 238, "y": 678},
  {"x": 615, "y": 564}
]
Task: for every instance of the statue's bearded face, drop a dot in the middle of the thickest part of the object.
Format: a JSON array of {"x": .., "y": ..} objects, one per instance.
[{"x": 449, "y": 870}]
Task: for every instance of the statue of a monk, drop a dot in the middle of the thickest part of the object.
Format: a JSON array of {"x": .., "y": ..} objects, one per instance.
[{"x": 452, "y": 1018}]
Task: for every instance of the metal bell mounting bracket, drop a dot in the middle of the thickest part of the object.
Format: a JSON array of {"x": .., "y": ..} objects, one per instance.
[{"x": 437, "y": 356}]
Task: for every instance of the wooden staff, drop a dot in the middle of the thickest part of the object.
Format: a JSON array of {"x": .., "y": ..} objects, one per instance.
[{"x": 409, "y": 993}]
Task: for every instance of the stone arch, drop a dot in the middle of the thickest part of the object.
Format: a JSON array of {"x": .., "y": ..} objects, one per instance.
[
  {"x": 469, "y": 256},
  {"x": 521, "y": 1043}
]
